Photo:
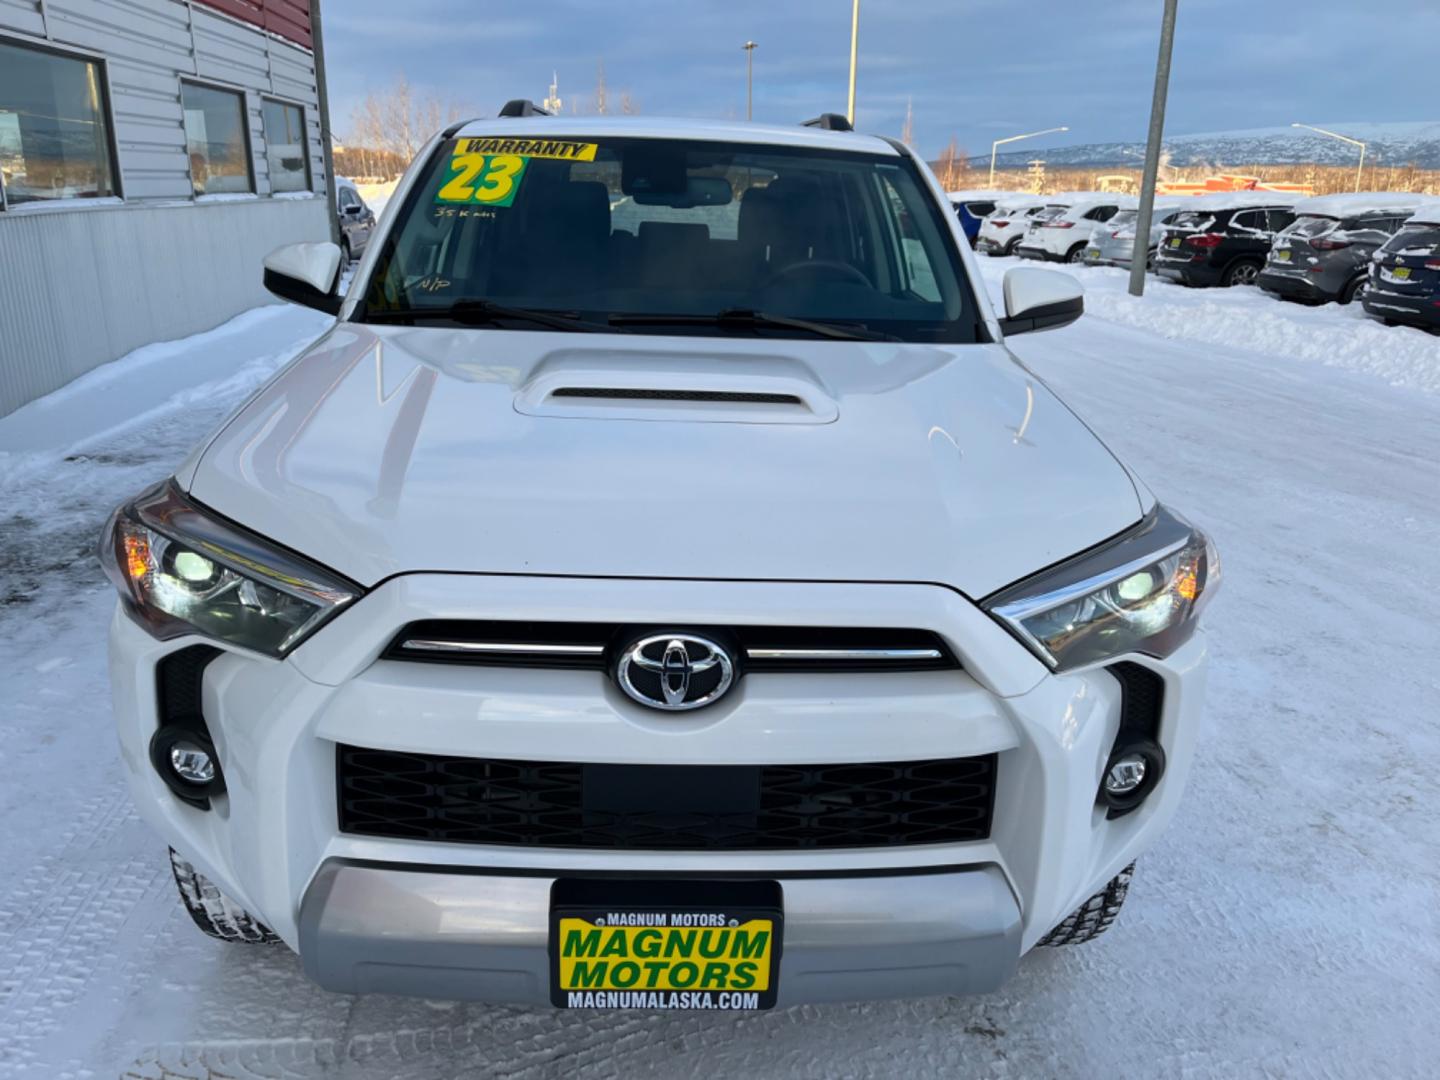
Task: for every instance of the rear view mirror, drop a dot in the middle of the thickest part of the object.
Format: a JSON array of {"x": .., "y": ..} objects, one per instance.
[
  {"x": 1040, "y": 300},
  {"x": 698, "y": 191},
  {"x": 306, "y": 274}
]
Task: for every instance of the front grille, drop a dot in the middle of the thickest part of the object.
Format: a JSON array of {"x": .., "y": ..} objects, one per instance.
[
  {"x": 595, "y": 645},
  {"x": 664, "y": 807}
]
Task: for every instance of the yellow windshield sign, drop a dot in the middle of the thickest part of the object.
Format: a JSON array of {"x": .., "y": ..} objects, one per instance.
[
  {"x": 599, "y": 957},
  {"x": 557, "y": 149}
]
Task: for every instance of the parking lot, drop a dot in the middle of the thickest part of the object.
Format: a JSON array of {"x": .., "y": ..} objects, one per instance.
[{"x": 1284, "y": 919}]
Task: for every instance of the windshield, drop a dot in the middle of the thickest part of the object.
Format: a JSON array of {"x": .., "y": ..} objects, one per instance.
[{"x": 618, "y": 228}]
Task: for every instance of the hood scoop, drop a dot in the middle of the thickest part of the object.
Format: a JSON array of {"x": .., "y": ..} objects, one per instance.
[{"x": 613, "y": 385}]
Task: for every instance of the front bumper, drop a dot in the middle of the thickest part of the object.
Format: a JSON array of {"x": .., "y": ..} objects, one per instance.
[
  {"x": 273, "y": 842},
  {"x": 479, "y": 935}
]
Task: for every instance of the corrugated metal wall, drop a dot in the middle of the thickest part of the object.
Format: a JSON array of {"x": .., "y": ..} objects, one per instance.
[{"x": 80, "y": 286}]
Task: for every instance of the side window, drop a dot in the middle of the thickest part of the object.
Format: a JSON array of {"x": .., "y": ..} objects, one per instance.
[
  {"x": 1102, "y": 213},
  {"x": 1280, "y": 219},
  {"x": 1243, "y": 221},
  {"x": 54, "y": 127},
  {"x": 217, "y": 140},
  {"x": 346, "y": 198},
  {"x": 285, "y": 147}
]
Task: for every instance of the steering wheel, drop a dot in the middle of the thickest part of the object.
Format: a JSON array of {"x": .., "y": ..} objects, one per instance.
[{"x": 831, "y": 268}]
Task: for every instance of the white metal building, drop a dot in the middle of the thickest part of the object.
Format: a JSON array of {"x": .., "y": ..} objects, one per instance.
[{"x": 151, "y": 153}]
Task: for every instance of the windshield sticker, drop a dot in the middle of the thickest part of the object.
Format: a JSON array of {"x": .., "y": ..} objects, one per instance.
[
  {"x": 483, "y": 179},
  {"x": 556, "y": 149}
]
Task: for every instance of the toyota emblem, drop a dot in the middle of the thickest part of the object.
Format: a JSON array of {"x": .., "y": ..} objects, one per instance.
[{"x": 675, "y": 672}]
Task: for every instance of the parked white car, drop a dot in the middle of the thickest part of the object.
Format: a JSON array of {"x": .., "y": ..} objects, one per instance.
[
  {"x": 739, "y": 626},
  {"x": 1060, "y": 232},
  {"x": 1004, "y": 228},
  {"x": 1114, "y": 244}
]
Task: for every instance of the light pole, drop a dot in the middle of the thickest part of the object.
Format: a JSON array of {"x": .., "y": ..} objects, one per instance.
[
  {"x": 1141, "y": 252},
  {"x": 1016, "y": 138},
  {"x": 749, "y": 48},
  {"x": 854, "y": 52},
  {"x": 1360, "y": 172}
]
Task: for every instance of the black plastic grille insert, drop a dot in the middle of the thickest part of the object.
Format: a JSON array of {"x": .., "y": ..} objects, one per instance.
[{"x": 666, "y": 807}]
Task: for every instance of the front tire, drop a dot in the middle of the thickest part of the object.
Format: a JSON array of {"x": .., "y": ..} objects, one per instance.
[
  {"x": 1092, "y": 918},
  {"x": 214, "y": 912},
  {"x": 1243, "y": 272}
]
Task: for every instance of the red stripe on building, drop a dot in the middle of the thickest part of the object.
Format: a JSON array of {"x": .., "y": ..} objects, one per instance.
[{"x": 289, "y": 19}]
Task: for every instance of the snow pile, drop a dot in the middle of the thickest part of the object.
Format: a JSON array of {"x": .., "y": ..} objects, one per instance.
[
  {"x": 377, "y": 196},
  {"x": 1247, "y": 319},
  {"x": 1353, "y": 204}
]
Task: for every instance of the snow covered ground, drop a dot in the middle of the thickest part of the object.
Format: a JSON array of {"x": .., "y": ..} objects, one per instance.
[{"x": 1286, "y": 926}]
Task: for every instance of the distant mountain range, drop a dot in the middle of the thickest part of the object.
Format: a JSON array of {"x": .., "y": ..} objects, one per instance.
[{"x": 1387, "y": 144}]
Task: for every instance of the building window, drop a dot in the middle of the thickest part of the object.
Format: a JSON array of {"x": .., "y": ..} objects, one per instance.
[
  {"x": 216, "y": 139},
  {"x": 285, "y": 147},
  {"x": 54, "y": 135}
]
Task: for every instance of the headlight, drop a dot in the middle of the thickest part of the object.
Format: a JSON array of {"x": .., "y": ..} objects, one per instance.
[
  {"x": 1141, "y": 592},
  {"x": 183, "y": 570}
]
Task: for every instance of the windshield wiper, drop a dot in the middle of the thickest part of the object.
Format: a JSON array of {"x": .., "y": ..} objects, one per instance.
[
  {"x": 746, "y": 319},
  {"x": 487, "y": 311}
]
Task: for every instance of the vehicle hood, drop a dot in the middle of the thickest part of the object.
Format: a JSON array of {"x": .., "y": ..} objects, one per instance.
[{"x": 383, "y": 450}]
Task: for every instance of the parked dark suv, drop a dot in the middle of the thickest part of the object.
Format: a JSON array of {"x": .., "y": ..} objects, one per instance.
[
  {"x": 1325, "y": 254},
  {"x": 1222, "y": 239},
  {"x": 1405, "y": 274}
]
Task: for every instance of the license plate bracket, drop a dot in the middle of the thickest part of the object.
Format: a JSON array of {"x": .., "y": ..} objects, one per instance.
[{"x": 665, "y": 943}]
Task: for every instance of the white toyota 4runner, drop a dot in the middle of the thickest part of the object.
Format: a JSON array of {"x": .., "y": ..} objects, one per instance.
[{"x": 660, "y": 588}]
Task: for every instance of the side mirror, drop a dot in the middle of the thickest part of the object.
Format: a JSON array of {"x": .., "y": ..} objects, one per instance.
[
  {"x": 306, "y": 274},
  {"x": 1040, "y": 300}
]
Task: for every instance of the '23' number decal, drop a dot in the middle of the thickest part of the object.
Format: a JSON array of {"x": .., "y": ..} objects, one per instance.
[{"x": 487, "y": 179}]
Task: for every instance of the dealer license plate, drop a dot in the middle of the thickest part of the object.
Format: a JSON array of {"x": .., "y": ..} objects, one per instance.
[
  {"x": 1092, "y": 253},
  {"x": 1282, "y": 256},
  {"x": 1399, "y": 273},
  {"x": 1175, "y": 241},
  {"x": 638, "y": 945}
]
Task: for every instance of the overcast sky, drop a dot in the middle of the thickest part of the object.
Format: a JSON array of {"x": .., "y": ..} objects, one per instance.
[{"x": 975, "y": 69}]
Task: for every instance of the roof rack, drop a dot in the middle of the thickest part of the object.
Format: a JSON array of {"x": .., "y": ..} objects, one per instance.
[
  {"x": 453, "y": 129},
  {"x": 521, "y": 107},
  {"x": 829, "y": 122}
]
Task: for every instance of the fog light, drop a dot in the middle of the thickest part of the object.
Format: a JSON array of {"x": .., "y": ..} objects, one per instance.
[
  {"x": 185, "y": 759},
  {"x": 1125, "y": 775},
  {"x": 1134, "y": 768},
  {"x": 196, "y": 766}
]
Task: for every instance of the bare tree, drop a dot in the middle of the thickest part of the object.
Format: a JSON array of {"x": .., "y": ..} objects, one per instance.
[
  {"x": 628, "y": 105},
  {"x": 907, "y": 133},
  {"x": 395, "y": 122},
  {"x": 601, "y": 97},
  {"x": 953, "y": 164}
]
